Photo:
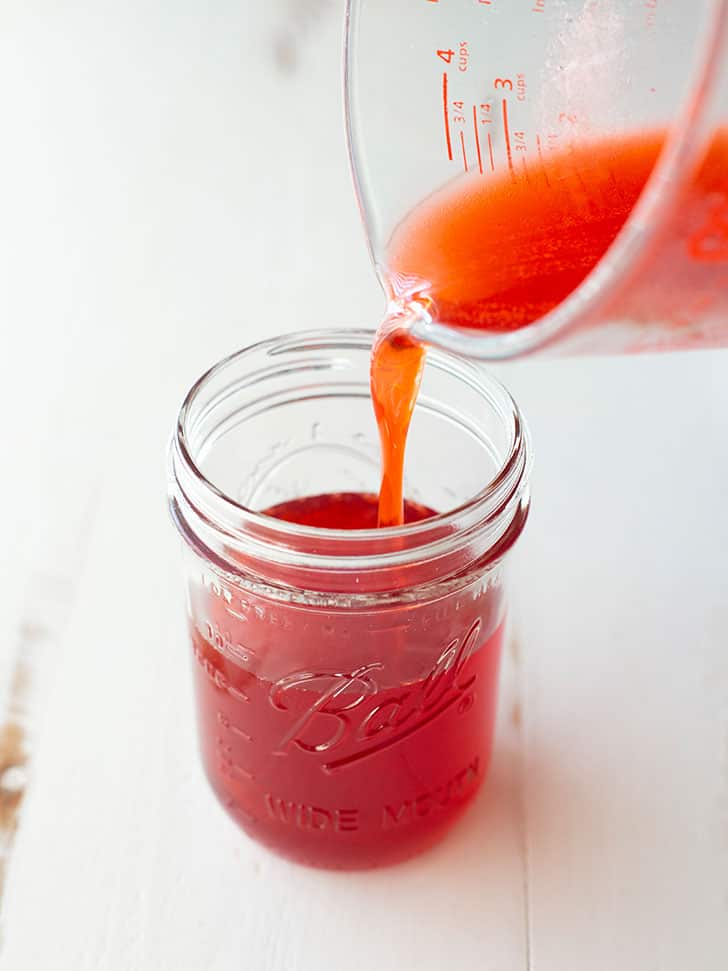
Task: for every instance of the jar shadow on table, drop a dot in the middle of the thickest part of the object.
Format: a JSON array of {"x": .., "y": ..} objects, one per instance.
[
  {"x": 468, "y": 889},
  {"x": 587, "y": 818}
]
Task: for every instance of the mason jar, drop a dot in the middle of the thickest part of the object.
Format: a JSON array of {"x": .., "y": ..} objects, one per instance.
[{"x": 345, "y": 679}]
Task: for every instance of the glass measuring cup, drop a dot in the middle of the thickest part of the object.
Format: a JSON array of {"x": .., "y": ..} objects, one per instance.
[
  {"x": 346, "y": 680},
  {"x": 535, "y": 109}
]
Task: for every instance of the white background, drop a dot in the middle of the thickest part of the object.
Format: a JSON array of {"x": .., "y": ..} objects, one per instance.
[{"x": 173, "y": 186}]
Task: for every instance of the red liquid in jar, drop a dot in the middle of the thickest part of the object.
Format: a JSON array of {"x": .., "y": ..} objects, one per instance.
[
  {"x": 342, "y": 510},
  {"x": 364, "y": 750}
]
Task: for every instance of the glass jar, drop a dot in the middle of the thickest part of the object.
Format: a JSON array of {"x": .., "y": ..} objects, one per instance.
[{"x": 345, "y": 679}]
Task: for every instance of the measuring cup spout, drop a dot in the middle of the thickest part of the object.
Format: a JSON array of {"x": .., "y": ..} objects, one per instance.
[
  {"x": 423, "y": 327},
  {"x": 411, "y": 316}
]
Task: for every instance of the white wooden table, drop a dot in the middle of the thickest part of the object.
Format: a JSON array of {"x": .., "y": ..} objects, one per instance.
[{"x": 174, "y": 185}]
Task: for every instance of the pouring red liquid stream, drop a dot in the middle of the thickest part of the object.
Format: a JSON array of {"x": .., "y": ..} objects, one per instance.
[
  {"x": 496, "y": 253},
  {"x": 396, "y": 372}
]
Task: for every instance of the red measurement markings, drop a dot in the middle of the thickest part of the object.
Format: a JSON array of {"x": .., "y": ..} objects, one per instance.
[
  {"x": 462, "y": 146},
  {"x": 508, "y": 135},
  {"x": 446, "y": 114},
  {"x": 477, "y": 138},
  {"x": 490, "y": 153}
]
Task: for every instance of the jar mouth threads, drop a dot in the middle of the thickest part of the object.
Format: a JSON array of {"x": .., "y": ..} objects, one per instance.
[{"x": 237, "y": 402}]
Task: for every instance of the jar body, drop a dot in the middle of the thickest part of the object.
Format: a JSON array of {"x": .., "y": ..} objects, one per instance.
[
  {"x": 345, "y": 737},
  {"x": 345, "y": 679}
]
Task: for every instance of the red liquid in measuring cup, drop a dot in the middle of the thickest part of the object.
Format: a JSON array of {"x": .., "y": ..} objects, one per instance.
[
  {"x": 338, "y": 763},
  {"x": 496, "y": 252}
]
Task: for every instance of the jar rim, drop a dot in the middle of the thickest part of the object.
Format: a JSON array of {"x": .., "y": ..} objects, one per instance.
[{"x": 194, "y": 495}]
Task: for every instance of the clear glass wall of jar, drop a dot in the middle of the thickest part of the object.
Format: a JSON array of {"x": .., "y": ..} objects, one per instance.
[{"x": 345, "y": 679}]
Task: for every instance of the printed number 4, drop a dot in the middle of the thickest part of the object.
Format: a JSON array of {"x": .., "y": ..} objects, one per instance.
[{"x": 447, "y": 56}]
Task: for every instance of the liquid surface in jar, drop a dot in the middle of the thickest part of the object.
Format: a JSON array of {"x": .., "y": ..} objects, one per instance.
[
  {"x": 341, "y": 510},
  {"x": 362, "y": 748}
]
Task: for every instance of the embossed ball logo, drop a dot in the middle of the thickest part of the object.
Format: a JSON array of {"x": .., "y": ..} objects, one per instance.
[{"x": 347, "y": 720}]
